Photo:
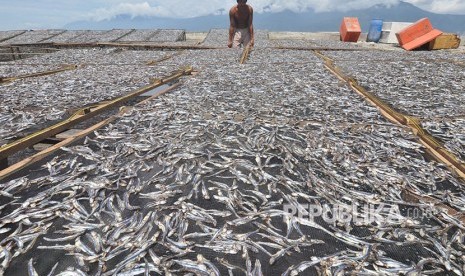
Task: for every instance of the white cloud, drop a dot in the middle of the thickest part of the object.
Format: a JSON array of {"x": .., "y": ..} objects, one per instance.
[
  {"x": 55, "y": 14},
  {"x": 193, "y": 8},
  {"x": 317, "y": 5},
  {"x": 138, "y": 9},
  {"x": 441, "y": 6},
  {"x": 173, "y": 8}
]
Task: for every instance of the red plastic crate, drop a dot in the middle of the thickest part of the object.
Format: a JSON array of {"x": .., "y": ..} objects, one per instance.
[{"x": 350, "y": 29}]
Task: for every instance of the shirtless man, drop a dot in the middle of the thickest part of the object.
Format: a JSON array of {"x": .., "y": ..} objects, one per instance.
[{"x": 241, "y": 27}]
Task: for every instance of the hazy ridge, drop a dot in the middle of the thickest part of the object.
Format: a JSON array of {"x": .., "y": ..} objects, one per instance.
[{"x": 308, "y": 21}]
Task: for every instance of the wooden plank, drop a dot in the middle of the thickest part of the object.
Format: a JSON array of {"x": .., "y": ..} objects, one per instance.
[
  {"x": 245, "y": 54},
  {"x": 445, "y": 41}
]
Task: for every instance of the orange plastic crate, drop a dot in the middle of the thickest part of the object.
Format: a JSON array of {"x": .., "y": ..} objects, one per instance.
[
  {"x": 350, "y": 29},
  {"x": 417, "y": 34}
]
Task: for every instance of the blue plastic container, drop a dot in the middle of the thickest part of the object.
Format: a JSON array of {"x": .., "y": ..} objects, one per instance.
[{"x": 376, "y": 27}]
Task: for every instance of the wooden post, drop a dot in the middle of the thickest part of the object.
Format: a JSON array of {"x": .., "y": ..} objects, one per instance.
[{"x": 13, "y": 56}]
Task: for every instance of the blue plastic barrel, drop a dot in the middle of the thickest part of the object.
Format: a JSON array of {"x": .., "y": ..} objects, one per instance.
[{"x": 376, "y": 27}]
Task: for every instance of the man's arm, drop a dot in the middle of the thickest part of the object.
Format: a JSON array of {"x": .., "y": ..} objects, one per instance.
[
  {"x": 252, "y": 38},
  {"x": 232, "y": 27}
]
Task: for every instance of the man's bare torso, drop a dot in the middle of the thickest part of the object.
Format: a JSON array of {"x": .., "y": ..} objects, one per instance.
[
  {"x": 241, "y": 16},
  {"x": 241, "y": 25}
]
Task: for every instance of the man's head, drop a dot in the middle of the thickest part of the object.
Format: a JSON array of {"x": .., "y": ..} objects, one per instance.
[{"x": 241, "y": 2}]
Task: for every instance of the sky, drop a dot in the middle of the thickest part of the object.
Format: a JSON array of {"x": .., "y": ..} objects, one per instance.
[{"x": 50, "y": 14}]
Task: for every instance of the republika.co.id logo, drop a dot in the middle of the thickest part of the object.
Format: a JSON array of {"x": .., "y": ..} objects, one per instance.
[{"x": 366, "y": 214}]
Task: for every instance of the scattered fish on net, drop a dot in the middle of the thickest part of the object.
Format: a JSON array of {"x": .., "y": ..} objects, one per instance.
[
  {"x": 219, "y": 38},
  {"x": 337, "y": 44},
  {"x": 12, "y": 69},
  {"x": 54, "y": 94},
  {"x": 168, "y": 36},
  {"x": 222, "y": 175},
  {"x": 65, "y": 37},
  {"x": 450, "y": 131},
  {"x": 139, "y": 36},
  {"x": 32, "y": 36},
  {"x": 304, "y": 43},
  {"x": 430, "y": 89},
  {"x": 282, "y": 56},
  {"x": 113, "y": 35},
  {"x": 5, "y": 35}
]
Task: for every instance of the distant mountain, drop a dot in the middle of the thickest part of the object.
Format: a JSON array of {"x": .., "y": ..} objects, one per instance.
[{"x": 308, "y": 21}]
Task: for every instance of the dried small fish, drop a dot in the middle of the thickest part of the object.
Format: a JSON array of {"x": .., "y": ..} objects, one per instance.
[{"x": 266, "y": 163}]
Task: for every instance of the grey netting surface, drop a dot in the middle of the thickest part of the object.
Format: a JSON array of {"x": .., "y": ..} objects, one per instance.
[{"x": 203, "y": 180}]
